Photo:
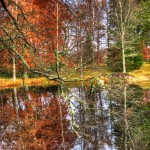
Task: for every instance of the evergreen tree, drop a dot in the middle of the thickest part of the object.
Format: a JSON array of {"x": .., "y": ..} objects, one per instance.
[
  {"x": 144, "y": 26},
  {"x": 124, "y": 52},
  {"x": 88, "y": 49}
]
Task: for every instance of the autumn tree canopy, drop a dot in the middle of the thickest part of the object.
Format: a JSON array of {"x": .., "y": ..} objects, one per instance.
[
  {"x": 48, "y": 37},
  {"x": 36, "y": 35}
]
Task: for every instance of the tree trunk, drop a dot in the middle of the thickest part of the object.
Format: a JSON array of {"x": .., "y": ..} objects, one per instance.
[
  {"x": 122, "y": 37},
  {"x": 57, "y": 34},
  {"x": 14, "y": 68},
  {"x": 93, "y": 24},
  {"x": 14, "y": 59}
]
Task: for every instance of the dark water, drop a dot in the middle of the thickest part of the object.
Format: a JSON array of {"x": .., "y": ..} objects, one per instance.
[{"x": 79, "y": 118}]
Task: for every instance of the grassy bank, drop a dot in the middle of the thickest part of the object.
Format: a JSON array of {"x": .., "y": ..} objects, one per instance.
[
  {"x": 140, "y": 77},
  {"x": 8, "y": 83}
]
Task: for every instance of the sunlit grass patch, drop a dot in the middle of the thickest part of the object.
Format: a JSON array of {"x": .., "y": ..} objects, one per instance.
[
  {"x": 8, "y": 83},
  {"x": 142, "y": 76},
  {"x": 144, "y": 70}
]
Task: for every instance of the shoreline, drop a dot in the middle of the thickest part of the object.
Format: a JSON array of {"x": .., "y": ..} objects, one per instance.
[
  {"x": 139, "y": 77},
  {"x": 141, "y": 81}
]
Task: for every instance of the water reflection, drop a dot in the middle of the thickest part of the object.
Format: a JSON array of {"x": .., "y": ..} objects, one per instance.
[
  {"x": 83, "y": 118},
  {"x": 35, "y": 121},
  {"x": 91, "y": 119}
]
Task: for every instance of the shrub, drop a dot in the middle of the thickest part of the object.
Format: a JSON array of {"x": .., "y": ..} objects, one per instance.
[{"x": 114, "y": 61}]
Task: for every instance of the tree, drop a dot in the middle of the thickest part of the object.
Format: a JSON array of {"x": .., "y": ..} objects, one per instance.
[
  {"x": 87, "y": 48},
  {"x": 123, "y": 37},
  {"x": 144, "y": 24},
  {"x": 86, "y": 25},
  {"x": 144, "y": 27},
  {"x": 42, "y": 42},
  {"x": 36, "y": 41}
]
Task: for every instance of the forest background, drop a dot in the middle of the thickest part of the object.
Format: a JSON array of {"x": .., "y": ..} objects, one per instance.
[{"x": 73, "y": 40}]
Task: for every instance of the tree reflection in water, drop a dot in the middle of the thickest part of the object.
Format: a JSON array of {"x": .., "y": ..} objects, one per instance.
[
  {"x": 83, "y": 118},
  {"x": 39, "y": 125},
  {"x": 91, "y": 119},
  {"x": 126, "y": 107}
]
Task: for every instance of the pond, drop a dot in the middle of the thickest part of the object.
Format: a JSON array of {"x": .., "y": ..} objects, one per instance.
[{"x": 75, "y": 118}]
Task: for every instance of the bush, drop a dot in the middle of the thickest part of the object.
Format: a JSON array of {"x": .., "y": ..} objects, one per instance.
[
  {"x": 135, "y": 62},
  {"x": 114, "y": 61}
]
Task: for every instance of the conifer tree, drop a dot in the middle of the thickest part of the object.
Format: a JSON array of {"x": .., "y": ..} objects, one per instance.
[{"x": 124, "y": 53}]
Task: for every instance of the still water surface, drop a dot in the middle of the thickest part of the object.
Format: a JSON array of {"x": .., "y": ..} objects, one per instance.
[{"x": 78, "y": 118}]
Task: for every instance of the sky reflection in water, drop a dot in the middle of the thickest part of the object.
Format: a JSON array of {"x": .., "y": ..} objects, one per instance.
[{"x": 80, "y": 118}]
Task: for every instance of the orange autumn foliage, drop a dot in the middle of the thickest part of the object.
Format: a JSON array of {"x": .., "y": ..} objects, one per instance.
[
  {"x": 38, "y": 21},
  {"x": 146, "y": 53},
  {"x": 44, "y": 19}
]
